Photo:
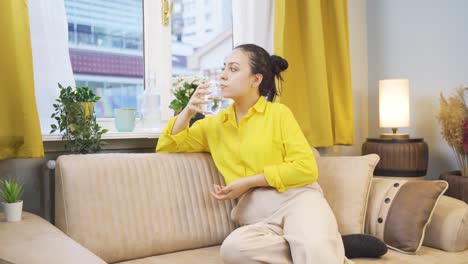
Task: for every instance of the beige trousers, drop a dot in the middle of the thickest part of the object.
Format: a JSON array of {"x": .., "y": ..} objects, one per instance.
[{"x": 296, "y": 226}]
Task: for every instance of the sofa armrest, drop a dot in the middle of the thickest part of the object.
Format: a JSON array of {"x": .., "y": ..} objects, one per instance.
[
  {"x": 33, "y": 240},
  {"x": 448, "y": 229}
]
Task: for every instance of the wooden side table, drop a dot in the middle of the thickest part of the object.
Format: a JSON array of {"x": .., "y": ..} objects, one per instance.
[{"x": 398, "y": 157}]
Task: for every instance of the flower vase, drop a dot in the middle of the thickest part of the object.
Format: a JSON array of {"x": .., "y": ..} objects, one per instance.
[{"x": 458, "y": 185}]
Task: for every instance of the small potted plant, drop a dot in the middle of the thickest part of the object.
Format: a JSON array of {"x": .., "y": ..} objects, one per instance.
[
  {"x": 182, "y": 88},
  {"x": 11, "y": 191},
  {"x": 74, "y": 113},
  {"x": 453, "y": 118}
]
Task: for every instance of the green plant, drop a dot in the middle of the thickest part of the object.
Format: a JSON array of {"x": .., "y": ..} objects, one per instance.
[
  {"x": 74, "y": 114},
  {"x": 182, "y": 88},
  {"x": 11, "y": 190}
]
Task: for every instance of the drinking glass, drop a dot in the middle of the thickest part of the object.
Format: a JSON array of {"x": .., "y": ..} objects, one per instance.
[{"x": 214, "y": 99}]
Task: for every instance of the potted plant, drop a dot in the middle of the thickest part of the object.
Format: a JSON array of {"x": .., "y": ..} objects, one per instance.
[
  {"x": 74, "y": 113},
  {"x": 182, "y": 88},
  {"x": 11, "y": 191},
  {"x": 453, "y": 118}
]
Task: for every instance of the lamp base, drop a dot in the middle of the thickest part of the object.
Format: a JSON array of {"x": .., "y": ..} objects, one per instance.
[{"x": 394, "y": 135}]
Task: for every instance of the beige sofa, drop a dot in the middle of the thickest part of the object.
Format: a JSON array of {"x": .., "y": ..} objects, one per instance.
[{"x": 156, "y": 209}]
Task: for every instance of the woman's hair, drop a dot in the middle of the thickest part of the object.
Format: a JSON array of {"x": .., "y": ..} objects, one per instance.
[{"x": 269, "y": 66}]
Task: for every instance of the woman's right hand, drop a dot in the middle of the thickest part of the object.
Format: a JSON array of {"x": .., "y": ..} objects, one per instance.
[{"x": 197, "y": 99}]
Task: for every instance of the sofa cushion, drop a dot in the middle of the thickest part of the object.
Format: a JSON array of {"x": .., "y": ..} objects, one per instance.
[
  {"x": 208, "y": 255},
  {"x": 346, "y": 181},
  {"x": 425, "y": 255},
  {"x": 448, "y": 229},
  {"x": 400, "y": 210},
  {"x": 128, "y": 206}
]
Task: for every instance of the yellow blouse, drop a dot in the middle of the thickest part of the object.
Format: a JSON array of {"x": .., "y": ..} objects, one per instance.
[{"x": 267, "y": 140}]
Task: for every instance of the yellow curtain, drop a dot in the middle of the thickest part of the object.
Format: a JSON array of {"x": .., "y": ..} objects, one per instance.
[
  {"x": 312, "y": 36},
  {"x": 20, "y": 134}
]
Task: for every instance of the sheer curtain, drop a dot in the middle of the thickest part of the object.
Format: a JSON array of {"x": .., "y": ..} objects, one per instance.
[
  {"x": 252, "y": 22},
  {"x": 51, "y": 60}
]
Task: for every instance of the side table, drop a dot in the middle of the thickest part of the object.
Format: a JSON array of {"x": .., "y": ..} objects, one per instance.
[{"x": 398, "y": 157}]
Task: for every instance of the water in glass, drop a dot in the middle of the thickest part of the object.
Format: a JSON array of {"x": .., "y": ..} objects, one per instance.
[{"x": 214, "y": 99}]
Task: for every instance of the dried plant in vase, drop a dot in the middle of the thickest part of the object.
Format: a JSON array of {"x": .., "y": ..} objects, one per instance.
[{"x": 453, "y": 117}]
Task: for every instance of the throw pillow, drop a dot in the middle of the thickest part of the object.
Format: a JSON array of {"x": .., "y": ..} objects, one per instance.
[
  {"x": 363, "y": 246},
  {"x": 346, "y": 182},
  {"x": 400, "y": 210}
]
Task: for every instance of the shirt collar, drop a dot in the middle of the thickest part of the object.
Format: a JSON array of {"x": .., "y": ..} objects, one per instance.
[{"x": 259, "y": 107}]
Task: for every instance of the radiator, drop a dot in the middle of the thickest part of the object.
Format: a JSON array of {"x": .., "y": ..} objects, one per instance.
[{"x": 48, "y": 191}]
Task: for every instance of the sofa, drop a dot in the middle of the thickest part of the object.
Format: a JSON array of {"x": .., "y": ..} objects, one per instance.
[{"x": 157, "y": 209}]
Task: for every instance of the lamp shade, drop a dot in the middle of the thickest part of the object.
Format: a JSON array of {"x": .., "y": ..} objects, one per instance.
[{"x": 394, "y": 103}]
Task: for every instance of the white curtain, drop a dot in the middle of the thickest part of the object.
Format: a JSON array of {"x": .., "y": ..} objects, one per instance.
[
  {"x": 51, "y": 60},
  {"x": 252, "y": 22}
]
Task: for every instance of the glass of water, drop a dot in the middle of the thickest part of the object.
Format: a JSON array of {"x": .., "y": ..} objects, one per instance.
[{"x": 214, "y": 99}]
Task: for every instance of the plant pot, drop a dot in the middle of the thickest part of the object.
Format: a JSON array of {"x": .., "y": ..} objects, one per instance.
[
  {"x": 79, "y": 111},
  {"x": 458, "y": 185},
  {"x": 86, "y": 107},
  {"x": 13, "y": 211}
]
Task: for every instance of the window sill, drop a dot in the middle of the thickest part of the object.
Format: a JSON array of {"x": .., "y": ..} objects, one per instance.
[
  {"x": 111, "y": 135},
  {"x": 139, "y": 140},
  {"x": 138, "y": 133}
]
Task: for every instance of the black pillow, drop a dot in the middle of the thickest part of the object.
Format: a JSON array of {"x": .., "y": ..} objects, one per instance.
[{"x": 363, "y": 246}]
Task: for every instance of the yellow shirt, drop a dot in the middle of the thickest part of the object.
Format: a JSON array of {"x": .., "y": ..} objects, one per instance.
[{"x": 267, "y": 140}]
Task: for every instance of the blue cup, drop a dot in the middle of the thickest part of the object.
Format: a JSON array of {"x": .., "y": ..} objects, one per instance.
[{"x": 124, "y": 119}]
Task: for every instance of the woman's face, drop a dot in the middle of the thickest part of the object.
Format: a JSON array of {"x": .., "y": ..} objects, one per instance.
[{"x": 237, "y": 80}]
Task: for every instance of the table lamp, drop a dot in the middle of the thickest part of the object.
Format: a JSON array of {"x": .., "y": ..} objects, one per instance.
[
  {"x": 394, "y": 106},
  {"x": 400, "y": 155}
]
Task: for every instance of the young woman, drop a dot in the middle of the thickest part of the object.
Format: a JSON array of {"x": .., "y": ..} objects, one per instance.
[{"x": 267, "y": 164}]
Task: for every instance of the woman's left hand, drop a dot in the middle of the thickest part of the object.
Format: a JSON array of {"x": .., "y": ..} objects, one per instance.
[{"x": 232, "y": 191}]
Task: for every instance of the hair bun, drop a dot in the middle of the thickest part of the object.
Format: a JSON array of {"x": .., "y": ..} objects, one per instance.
[{"x": 278, "y": 64}]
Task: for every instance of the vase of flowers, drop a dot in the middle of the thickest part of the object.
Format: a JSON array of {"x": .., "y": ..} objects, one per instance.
[
  {"x": 182, "y": 89},
  {"x": 453, "y": 118}
]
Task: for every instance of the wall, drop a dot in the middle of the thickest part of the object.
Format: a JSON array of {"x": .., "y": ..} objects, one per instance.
[{"x": 425, "y": 42}]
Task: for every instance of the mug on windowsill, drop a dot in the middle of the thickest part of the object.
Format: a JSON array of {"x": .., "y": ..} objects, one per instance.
[{"x": 124, "y": 119}]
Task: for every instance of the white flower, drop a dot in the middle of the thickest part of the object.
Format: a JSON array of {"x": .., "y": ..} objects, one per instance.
[{"x": 186, "y": 84}]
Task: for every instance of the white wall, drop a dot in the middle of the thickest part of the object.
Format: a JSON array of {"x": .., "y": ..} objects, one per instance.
[
  {"x": 358, "y": 52},
  {"x": 424, "y": 41}
]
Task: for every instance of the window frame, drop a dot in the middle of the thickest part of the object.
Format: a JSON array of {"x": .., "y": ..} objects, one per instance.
[{"x": 157, "y": 56}]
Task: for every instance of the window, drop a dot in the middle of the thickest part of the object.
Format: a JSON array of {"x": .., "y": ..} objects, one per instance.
[
  {"x": 203, "y": 46},
  {"x": 106, "y": 50},
  {"x": 106, "y": 46}
]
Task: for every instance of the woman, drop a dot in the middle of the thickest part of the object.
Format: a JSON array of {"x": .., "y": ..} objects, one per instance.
[{"x": 267, "y": 163}]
